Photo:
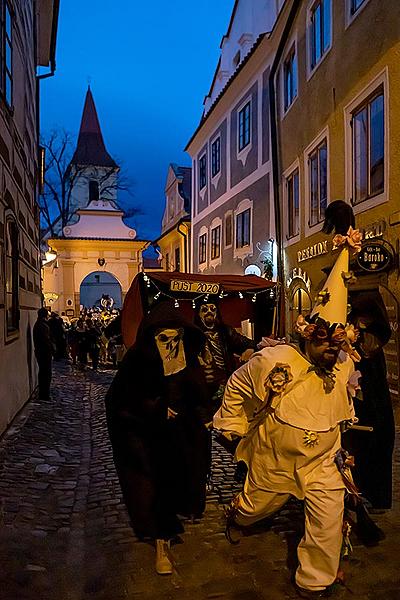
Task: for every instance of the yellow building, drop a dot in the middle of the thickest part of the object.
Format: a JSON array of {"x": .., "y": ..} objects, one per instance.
[
  {"x": 338, "y": 132},
  {"x": 97, "y": 252},
  {"x": 174, "y": 241}
]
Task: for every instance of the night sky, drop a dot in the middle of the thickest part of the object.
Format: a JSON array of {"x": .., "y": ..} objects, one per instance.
[{"x": 149, "y": 66}]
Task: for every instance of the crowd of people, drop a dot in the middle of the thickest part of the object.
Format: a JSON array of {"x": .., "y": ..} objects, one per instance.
[
  {"x": 92, "y": 339},
  {"x": 290, "y": 413}
]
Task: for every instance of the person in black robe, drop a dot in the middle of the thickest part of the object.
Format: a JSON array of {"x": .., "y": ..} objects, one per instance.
[
  {"x": 372, "y": 450},
  {"x": 156, "y": 413}
]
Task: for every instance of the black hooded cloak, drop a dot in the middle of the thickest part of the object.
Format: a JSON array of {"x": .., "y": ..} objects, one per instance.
[{"x": 161, "y": 463}]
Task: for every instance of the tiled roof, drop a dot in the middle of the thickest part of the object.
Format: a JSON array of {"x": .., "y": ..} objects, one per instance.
[{"x": 90, "y": 149}]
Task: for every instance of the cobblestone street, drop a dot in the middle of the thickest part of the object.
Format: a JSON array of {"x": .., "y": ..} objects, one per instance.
[{"x": 65, "y": 533}]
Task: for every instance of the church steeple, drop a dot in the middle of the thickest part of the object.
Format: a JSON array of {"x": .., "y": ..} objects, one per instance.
[{"x": 90, "y": 149}]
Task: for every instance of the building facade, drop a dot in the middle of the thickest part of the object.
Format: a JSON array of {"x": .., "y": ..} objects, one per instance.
[
  {"x": 28, "y": 36},
  {"x": 233, "y": 227},
  {"x": 96, "y": 249},
  {"x": 174, "y": 243},
  {"x": 338, "y": 132}
]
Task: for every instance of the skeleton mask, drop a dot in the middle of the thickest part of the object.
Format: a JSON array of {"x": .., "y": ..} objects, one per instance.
[
  {"x": 208, "y": 315},
  {"x": 170, "y": 346}
]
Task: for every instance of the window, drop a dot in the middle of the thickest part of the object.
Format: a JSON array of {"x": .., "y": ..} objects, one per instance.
[
  {"x": 6, "y": 74},
  {"x": 228, "y": 230},
  {"x": 167, "y": 262},
  {"x": 216, "y": 157},
  {"x": 293, "y": 203},
  {"x": 243, "y": 229},
  {"x": 368, "y": 148},
  {"x": 244, "y": 127},
  {"x": 93, "y": 190},
  {"x": 215, "y": 242},
  {"x": 320, "y": 30},
  {"x": 177, "y": 259},
  {"x": 203, "y": 171},
  {"x": 355, "y": 5},
  {"x": 12, "y": 276},
  {"x": 236, "y": 59},
  {"x": 318, "y": 178},
  {"x": 290, "y": 78},
  {"x": 202, "y": 248}
]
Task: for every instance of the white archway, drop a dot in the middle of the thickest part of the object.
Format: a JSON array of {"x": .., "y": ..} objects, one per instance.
[{"x": 98, "y": 284}]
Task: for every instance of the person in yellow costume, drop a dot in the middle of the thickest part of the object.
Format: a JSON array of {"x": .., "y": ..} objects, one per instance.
[{"x": 289, "y": 406}]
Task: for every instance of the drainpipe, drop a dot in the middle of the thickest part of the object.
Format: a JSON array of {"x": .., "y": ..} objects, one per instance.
[
  {"x": 184, "y": 234},
  {"x": 275, "y": 162}
]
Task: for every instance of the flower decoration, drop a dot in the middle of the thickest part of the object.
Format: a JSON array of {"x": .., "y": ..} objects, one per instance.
[
  {"x": 300, "y": 324},
  {"x": 310, "y": 438},
  {"x": 349, "y": 278},
  {"x": 352, "y": 333},
  {"x": 323, "y": 297},
  {"x": 316, "y": 329},
  {"x": 353, "y": 239},
  {"x": 278, "y": 378}
]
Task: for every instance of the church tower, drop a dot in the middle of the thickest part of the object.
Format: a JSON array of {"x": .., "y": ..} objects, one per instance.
[{"x": 93, "y": 172}]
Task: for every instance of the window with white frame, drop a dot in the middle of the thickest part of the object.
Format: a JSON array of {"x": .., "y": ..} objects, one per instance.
[
  {"x": 216, "y": 157},
  {"x": 318, "y": 183},
  {"x": 290, "y": 78},
  {"x": 244, "y": 127},
  {"x": 228, "y": 229},
  {"x": 6, "y": 75},
  {"x": 243, "y": 228},
  {"x": 12, "y": 276},
  {"x": 293, "y": 204},
  {"x": 368, "y": 152},
  {"x": 202, "y": 248},
  {"x": 203, "y": 171},
  {"x": 215, "y": 242},
  {"x": 320, "y": 30}
]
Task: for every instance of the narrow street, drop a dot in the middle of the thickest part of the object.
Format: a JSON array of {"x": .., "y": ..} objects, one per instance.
[{"x": 65, "y": 533}]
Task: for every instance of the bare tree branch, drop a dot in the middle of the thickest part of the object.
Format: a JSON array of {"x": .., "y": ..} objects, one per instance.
[{"x": 56, "y": 203}]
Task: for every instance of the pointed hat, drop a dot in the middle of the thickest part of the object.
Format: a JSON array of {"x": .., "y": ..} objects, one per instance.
[{"x": 331, "y": 302}]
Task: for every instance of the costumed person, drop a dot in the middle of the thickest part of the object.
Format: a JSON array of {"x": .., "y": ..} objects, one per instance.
[
  {"x": 222, "y": 343},
  {"x": 44, "y": 351},
  {"x": 156, "y": 415},
  {"x": 372, "y": 452},
  {"x": 289, "y": 405}
]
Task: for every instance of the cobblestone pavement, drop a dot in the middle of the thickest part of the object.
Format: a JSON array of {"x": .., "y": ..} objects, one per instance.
[{"x": 65, "y": 533}]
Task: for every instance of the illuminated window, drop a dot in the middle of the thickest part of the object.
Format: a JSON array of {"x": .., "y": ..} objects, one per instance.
[{"x": 228, "y": 230}]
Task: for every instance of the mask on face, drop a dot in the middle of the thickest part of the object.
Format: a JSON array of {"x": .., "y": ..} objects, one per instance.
[
  {"x": 208, "y": 315},
  {"x": 170, "y": 346}
]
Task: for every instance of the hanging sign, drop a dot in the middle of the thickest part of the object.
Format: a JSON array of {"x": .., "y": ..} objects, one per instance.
[
  {"x": 195, "y": 287},
  {"x": 374, "y": 256}
]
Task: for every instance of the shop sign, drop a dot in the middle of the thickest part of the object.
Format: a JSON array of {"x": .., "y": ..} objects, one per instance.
[
  {"x": 374, "y": 256},
  {"x": 196, "y": 287},
  {"x": 313, "y": 251},
  {"x": 50, "y": 297}
]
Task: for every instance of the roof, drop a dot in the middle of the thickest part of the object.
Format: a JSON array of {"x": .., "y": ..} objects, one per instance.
[
  {"x": 185, "y": 186},
  {"x": 244, "y": 62},
  {"x": 90, "y": 149}
]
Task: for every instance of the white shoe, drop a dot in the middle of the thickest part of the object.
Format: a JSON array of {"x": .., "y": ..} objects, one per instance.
[{"x": 163, "y": 563}]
